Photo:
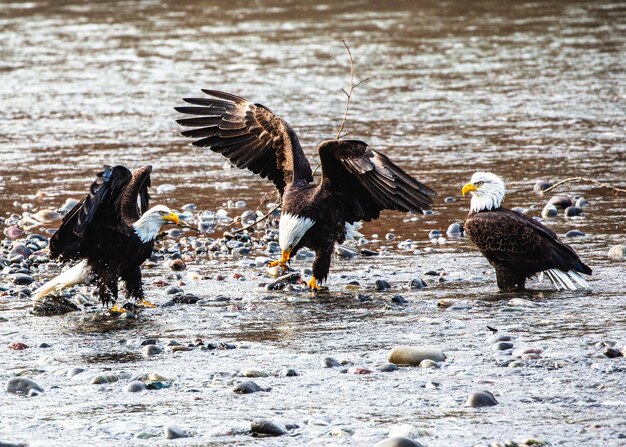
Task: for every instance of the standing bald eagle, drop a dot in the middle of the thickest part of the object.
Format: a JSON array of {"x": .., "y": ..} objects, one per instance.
[
  {"x": 357, "y": 182},
  {"x": 109, "y": 233},
  {"x": 516, "y": 245}
]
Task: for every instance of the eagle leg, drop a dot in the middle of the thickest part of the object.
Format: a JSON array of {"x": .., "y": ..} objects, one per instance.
[{"x": 313, "y": 285}]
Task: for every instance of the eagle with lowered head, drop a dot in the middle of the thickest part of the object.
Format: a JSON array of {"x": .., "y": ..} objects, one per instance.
[
  {"x": 517, "y": 246},
  {"x": 111, "y": 232},
  {"x": 356, "y": 184}
]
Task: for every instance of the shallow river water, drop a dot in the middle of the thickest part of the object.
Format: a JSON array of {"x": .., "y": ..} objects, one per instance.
[{"x": 528, "y": 90}]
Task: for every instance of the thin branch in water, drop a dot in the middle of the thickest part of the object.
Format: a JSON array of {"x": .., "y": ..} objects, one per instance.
[
  {"x": 348, "y": 93},
  {"x": 585, "y": 180},
  {"x": 265, "y": 216}
]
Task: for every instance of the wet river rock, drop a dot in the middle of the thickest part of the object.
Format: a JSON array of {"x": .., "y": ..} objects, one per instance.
[
  {"x": 560, "y": 201},
  {"x": 398, "y": 441},
  {"x": 22, "y": 385},
  {"x": 481, "y": 398},
  {"x": 265, "y": 427},
  {"x": 173, "y": 432},
  {"x": 617, "y": 252},
  {"x": 414, "y": 355}
]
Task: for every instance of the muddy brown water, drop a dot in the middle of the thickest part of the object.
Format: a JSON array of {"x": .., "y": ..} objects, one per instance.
[{"x": 529, "y": 90}]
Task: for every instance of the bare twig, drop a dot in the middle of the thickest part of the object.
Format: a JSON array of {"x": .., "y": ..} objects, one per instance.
[
  {"x": 586, "y": 180},
  {"x": 348, "y": 93},
  {"x": 265, "y": 216}
]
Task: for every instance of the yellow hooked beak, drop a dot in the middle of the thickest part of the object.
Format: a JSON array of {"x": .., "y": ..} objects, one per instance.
[
  {"x": 172, "y": 217},
  {"x": 468, "y": 188}
]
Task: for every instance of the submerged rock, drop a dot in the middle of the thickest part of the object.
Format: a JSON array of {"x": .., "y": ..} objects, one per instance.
[
  {"x": 481, "y": 398},
  {"x": 455, "y": 229},
  {"x": 549, "y": 211},
  {"x": 329, "y": 362},
  {"x": 53, "y": 305},
  {"x": 173, "y": 432},
  {"x": 541, "y": 185},
  {"x": 416, "y": 283},
  {"x": 398, "y": 441},
  {"x": 560, "y": 201},
  {"x": 381, "y": 285},
  {"x": 265, "y": 427},
  {"x": 572, "y": 211},
  {"x": 413, "y": 355},
  {"x": 22, "y": 385},
  {"x": 247, "y": 387},
  {"x": 617, "y": 252},
  {"x": 574, "y": 233},
  {"x": 135, "y": 386}
]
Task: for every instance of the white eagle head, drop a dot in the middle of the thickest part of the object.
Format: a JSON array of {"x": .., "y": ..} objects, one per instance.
[
  {"x": 487, "y": 191},
  {"x": 150, "y": 223},
  {"x": 291, "y": 229}
]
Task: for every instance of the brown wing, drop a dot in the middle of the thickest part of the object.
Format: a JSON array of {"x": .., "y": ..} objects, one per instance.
[
  {"x": 368, "y": 182},
  {"x": 520, "y": 242},
  {"x": 250, "y": 135},
  {"x": 99, "y": 209},
  {"x": 135, "y": 199}
]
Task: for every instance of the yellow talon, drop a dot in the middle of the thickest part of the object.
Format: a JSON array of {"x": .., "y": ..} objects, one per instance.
[
  {"x": 284, "y": 259},
  {"x": 146, "y": 303},
  {"x": 117, "y": 309},
  {"x": 313, "y": 285}
]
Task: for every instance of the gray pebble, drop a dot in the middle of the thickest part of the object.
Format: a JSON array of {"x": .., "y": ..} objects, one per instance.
[
  {"x": 581, "y": 202},
  {"x": 549, "y": 211},
  {"x": 173, "y": 290},
  {"x": 390, "y": 236},
  {"x": 287, "y": 372},
  {"x": 22, "y": 279},
  {"x": 247, "y": 387},
  {"x": 481, "y": 399},
  {"x": 398, "y": 441},
  {"x": 617, "y": 252},
  {"x": 454, "y": 229},
  {"x": 572, "y": 211},
  {"x": 541, "y": 185},
  {"x": 416, "y": 283},
  {"x": 265, "y": 427},
  {"x": 173, "y": 432},
  {"x": 150, "y": 350},
  {"x": 574, "y": 233},
  {"x": 612, "y": 353},
  {"x": 329, "y": 362},
  {"x": 135, "y": 386},
  {"x": 73, "y": 371},
  {"x": 498, "y": 337},
  {"x": 434, "y": 234},
  {"x": 449, "y": 199},
  {"x": 413, "y": 355},
  {"x": 344, "y": 252},
  {"x": 560, "y": 201},
  {"x": 387, "y": 367},
  {"x": 502, "y": 346},
  {"x": 381, "y": 285},
  {"x": 398, "y": 299},
  {"x": 22, "y": 385}
]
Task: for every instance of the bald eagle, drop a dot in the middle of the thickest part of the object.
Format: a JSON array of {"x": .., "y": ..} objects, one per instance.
[
  {"x": 107, "y": 231},
  {"x": 356, "y": 184},
  {"x": 517, "y": 246}
]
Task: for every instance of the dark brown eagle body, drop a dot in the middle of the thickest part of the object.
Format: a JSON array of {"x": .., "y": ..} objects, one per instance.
[
  {"x": 99, "y": 230},
  {"x": 357, "y": 182},
  {"x": 519, "y": 247}
]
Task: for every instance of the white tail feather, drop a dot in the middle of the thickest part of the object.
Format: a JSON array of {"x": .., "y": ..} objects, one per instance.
[
  {"x": 352, "y": 231},
  {"x": 75, "y": 275},
  {"x": 563, "y": 280}
]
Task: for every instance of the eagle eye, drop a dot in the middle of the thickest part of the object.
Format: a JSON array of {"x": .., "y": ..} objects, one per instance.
[{"x": 479, "y": 183}]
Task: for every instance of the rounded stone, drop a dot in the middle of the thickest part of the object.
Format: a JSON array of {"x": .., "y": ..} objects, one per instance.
[
  {"x": 46, "y": 216},
  {"x": 612, "y": 353},
  {"x": 398, "y": 441},
  {"x": 560, "y": 201},
  {"x": 22, "y": 385},
  {"x": 247, "y": 387},
  {"x": 344, "y": 252},
  {"x": 252, "y": 372},
  {"x": 173, "y": 432},
  {"x": 413, "y": 355},
  {"x": 549, "y": 211},
  {"x": 381, "y": 285},
  {"x": 454, "y": 229},
  {"x": 427, "y": 363},
  {"x": 150, "y": 350},
  {"x": 177, "y": 265},
  {"x": 541, "y": 185},
  {"x": 581, "y": 202},
  {"x": 481, "y": 398},
  {"x": 572, "y": 211},
  {"x": 287, "y": 372},
  {"x": 73, "y": 371},
  {"x": 329, "y": 362},
  {"x": 416, "y": 283},
  {"x": 387, "y": 367},
  {"x": 574, "y": 233},
  {"x": 265, "y": 427},
  {"x": 617, "y": 252},
  {"x": 22, "y": 279},
  {"x": 399, "y": 299},
  {"x": 434, "y": 234},
  {"x": 502, "y": 346},
  {"x": 135, "y": 386}
]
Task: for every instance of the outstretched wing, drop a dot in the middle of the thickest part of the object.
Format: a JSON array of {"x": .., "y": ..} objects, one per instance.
[
  {"x": 100, "y": 208},
  {"x": 250, "y": 135},
  {"x": 135, "y": 199},
  {"x": 368, "y": 182},
  {"x": 520, "y": 242}
]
